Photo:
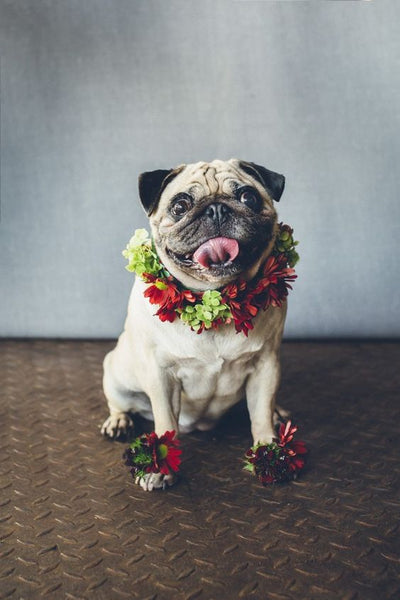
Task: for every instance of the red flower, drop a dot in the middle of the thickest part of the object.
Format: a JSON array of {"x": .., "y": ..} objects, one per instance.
[
  {"x": 232, "y": 290},
  {"x": 276, "y": 277},
  {"x": 243, "y": 313},
  {"x": 162, "y": 291},
  {"x": 286, "y": 433},
  {"x": 293, "y": 449},
  {"x": 152, "y": 454},
  {"x": 165, "y": 452},
  {"x": 165, "y": 293},
  {"x": 189, "y": 296},
  {"x": 165, "y": 313},
  {"x": 246, "y": 299},
  {"x": 278, "y": 461}
]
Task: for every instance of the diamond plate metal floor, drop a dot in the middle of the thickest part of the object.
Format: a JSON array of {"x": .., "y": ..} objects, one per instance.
[{"x": 74, "y": 525}]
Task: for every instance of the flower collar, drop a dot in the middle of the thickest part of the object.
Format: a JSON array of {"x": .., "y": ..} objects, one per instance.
[{"x": 238, "y": 302}]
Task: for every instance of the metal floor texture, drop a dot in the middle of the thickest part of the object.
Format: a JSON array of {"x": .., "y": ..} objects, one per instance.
[{"x": 74, "y": 525}]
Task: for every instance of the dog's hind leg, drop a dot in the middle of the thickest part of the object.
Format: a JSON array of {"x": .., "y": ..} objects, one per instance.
[
  {"x": 117, "y": 426},
  {"x": 280, "y": 415}
]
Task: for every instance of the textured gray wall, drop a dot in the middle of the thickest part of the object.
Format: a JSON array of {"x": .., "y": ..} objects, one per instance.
[{"x": 96, "y": 91}]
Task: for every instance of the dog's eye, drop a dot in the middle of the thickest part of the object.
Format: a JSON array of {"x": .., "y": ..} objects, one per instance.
[
  {"x": 251, "y": 199},
  {"x": 181, "y": 206}
]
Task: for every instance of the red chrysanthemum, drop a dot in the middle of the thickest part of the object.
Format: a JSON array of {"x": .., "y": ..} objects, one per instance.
[
  {"x": 167, "y": 313},
  {"x": 152, "y": 454},
  {"x": 243, "y": 314},
  {"x": 270, "y": 289},
  {"x": 165, "y": 293},
  {"x": 165, "y": 452},
  {"x": 162, "y": 291},
  {"x": 275, "y": 280}
]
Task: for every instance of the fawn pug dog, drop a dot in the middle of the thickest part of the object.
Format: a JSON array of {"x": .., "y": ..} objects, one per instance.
[{"x": 211, "y": 223}]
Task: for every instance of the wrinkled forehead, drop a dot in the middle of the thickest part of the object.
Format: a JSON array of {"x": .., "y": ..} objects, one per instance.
[{"x": 209, "y": 179}]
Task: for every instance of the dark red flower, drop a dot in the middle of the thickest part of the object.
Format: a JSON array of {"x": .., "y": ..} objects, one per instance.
[
  {"x": 294, "y": 449},
  {"x": 276, "y": 277},
  {"x": 166, "y": 313},
  {"x": 243, "y": 314},
  {"x": 279, "y": 461},
  {"x": 232, "y": 290}
]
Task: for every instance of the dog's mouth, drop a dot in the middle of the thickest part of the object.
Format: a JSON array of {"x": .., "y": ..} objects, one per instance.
[{"x": 215, "y": 253}]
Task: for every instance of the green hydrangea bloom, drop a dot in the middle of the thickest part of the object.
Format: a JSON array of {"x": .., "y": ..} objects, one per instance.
[
  {"x": 141, "y": 255},
  {"x": 285, "y": 243},
  {"x": 205, "y": 312}
]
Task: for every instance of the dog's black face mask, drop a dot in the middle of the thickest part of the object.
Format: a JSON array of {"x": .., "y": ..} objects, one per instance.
[{"x": 212, "y": 222}]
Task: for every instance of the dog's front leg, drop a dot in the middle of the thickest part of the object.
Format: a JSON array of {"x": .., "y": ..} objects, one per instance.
[
  {"x": 165, "y": 396},
  {"x": 261, "y": 390}
]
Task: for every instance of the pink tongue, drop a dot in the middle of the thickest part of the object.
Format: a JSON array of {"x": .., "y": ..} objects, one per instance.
[{"x": 216, "y": 251}]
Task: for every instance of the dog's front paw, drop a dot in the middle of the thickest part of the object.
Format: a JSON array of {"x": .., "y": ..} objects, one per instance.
[
  {"x": 156, "y": 481},
  {"x": 117, "y": 426}
]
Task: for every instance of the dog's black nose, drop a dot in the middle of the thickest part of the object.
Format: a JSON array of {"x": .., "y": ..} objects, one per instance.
[{"x": 217, "y": 211}]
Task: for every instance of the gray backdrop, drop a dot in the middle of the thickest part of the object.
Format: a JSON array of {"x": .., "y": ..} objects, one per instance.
[{"x": 96, "y": 91}]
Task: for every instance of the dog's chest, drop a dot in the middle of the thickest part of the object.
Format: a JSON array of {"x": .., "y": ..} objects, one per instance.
[
  {"x": 218, "y": 367},
  {"x": 201, "y": 380}
]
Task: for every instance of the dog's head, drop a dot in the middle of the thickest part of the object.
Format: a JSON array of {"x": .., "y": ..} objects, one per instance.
[{"x": 212, "y": 222}]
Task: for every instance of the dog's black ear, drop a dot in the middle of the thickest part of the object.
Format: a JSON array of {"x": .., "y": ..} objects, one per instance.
[
  {"x": 152, "y": 184},
  {"x": 273, "y": 182}
]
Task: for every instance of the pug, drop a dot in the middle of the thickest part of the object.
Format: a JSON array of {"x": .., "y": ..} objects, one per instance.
[{"x": 211, "y": 224}]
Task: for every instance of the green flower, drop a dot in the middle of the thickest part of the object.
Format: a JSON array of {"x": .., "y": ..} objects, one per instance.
[
  {"x": 202, "y": 315},
  {"x": 141, "y": 255},
  {"x": 286, "y": 244}
]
